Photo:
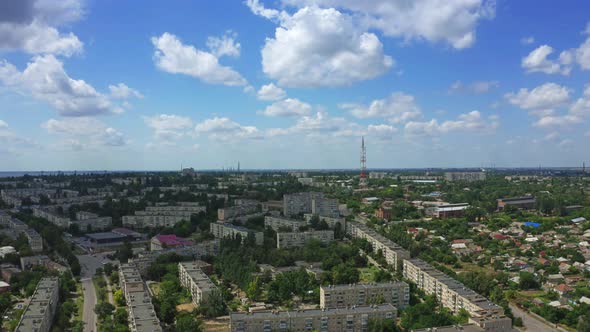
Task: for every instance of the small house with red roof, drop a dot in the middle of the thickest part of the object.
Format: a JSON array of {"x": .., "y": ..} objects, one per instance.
[{"x": 162, "y": 241}]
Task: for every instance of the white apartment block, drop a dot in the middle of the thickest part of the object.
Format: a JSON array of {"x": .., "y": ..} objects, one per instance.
[
  {"x": 88, "y": 221},
  {"x": 343, "y": 296},
  {"x": 142, "y": 316},
  {"x": 298, "y": 239},
  {"x": 38, "y": 315},
  {"x": 310, "y": 202},
  {"x": 198, "y": 283},
  {"x": 278, "y": 223},
  {"x": 35, "y": 240},
  {"x": 394, "y": 254},
  {"x": 465, "y": 176},
  {"x": 51, "y": 215},
  {"x": 162, "y": 216},
  {"x": 223, "y": 230},
  {"x": 322, "y": 320},
  {"x": 232, "y": 212},
  {"x": 196, "y": 251},
  {"x": 456, "y": 296},
  {"x": 331, "y": 221}
]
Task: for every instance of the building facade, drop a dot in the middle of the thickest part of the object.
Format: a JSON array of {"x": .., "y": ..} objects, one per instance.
[
  {"x": 465, "y": 176},
  {"x": 298, "y": 239},
  {"x": 322, "y": 320},
  {"x": 393, "y": 253},
  {"x": 222, "y": 230},
  {"x": 343, "y": 296},
  {"x": 38, "y": 315},
  {"x": 142, "y": 316},
  {"x": 525, "y": 203},
  {"x": 310, "y": 202},
  {"x": 195, "y": 280},
  {"x": 282, "y": 223}
]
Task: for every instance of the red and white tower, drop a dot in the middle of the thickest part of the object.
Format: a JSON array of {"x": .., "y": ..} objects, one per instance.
[{"x": 363, "y": 178}]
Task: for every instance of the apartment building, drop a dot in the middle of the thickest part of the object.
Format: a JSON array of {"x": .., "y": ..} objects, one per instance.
[
  {"x": 35, "y": 240},
  {"x": 456, "y": 296},
  {"x": 15, "y": 196},
  {"x": 465, "y": 176},
  {"x": 344, "y": 296},
  {"x": 50, "y": 214},
  {"x": 162, "y": 216},
  {"x": 229, "y": 213},
  {"x": 322, "y": 320},
  {"x": 196, "y": 251},
  {"x": 281, "y": 223},
  {"x": 450, "y": 210},
  {"x": 331, "y": 221},
  {"x": 525, "y": 202},
  {"x": 222, "y": 230},
  {"x": 310, "y": 202},
  {"x": 393, "y": 253},
  {"x": 142, "y": 316},
  {"x": 38, "y": 314},
  {"x": 191, "y": 276},
  {"x": 298, "y": 239},
  {"x": 88, "y": 221}
]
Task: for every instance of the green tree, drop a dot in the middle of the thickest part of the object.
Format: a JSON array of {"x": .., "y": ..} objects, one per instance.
[
  {"x": 103, "y": 310},
  {"x": 212, "y": 305},
  {"x": 186, "y": 322}
]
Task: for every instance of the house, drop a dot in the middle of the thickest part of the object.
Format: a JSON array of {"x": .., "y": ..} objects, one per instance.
[
  {"x": 161, "y": 242},
  {"x": 562, "y": 289},
  {"x": 578, "y": 220}
]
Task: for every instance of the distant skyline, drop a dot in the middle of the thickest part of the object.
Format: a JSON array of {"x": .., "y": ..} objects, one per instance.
[{"x": 293, "y": 84}]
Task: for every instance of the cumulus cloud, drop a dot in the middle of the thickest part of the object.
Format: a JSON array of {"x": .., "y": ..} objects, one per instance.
[
  {"x": 122, "y": 91},
  {"x": 84, "y": 132},
  {"x": 473, "y": 121},
  {"x": 538, "y": 61},
  {"x": 452, "y": 22},
  {"x": 172, "y": 56},
  {"x": 322, "y": 47},
  {"x": 224, "y": 129},
  {"x": 45, "y": 79},
  {"x": 320, "y": 123},
  {"x": 381, "y": 131},
  {"x": 582, "y": 53},
  {"x": 271, "y": 92},
  {"x": 32, "y": 26},
  {"x": 542, "y": 98},
  {"x": 287, "y": 107},
  {"x": 168, "y": 127},
  {"x": 397, "y": 108},
  {"x": 224, "y": 45},
  {"x": 476, "y": 87},
  {"x": 11, "y": 141}
]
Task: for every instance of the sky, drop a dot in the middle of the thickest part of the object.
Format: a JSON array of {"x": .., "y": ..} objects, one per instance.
[{"x": 286, "y": 84}]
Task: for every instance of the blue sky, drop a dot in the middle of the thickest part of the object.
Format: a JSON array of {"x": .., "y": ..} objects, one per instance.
[{"x": 293, "y": 83}]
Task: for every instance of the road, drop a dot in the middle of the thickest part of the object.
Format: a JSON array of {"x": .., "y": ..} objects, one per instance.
[
  {"x": 89, "y": 265},
  {"x": 531, "y": 323}
]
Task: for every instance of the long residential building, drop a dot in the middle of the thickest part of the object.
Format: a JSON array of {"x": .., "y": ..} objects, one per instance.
[
  {"x": 51, "y": 215},
  {"x": 282, "y": 223},
  {"x": 393, "y": 253},
  {"x": 465, "y": 176},
  {"x": 229, "y": 213},
  {"x": 88, "y": 221},
  {"x": 310, "y": 202},
  {"x": 162, "y": 216},
  {"x": 142, "y": 316},
  {"x": 298, "y": 239},
  {"x": 525, "y": 203},
  {"x": 35, "y": 240},
  {"x": 322, "y": 320},
  {"x": 198, "y": 283},
  {"x": 38, "y": 315},
  {"x": 224, "y": 230},
  {"x": 456, "y": 296},
  {"x": 343, "y": 296}
]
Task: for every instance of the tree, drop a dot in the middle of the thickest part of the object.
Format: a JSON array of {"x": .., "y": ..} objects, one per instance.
[
  {"x": 527, "y": 281},
  {"x": 185, "y": 322},
  {"x": 212, "y": 305},
  {"x": 254, "y": 289},
  {"x": 119, "y": 298},
  {"x": 103, "y": 310}
]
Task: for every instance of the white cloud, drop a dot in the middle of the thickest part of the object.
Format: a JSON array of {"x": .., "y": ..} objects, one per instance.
[
  {"x": 224, "y": 45},
  {"x": 258, "y": 9},
  {"x": 537, "y": 61},
  {"x": 582, "y": 53},
  {"x": 271, "y": 92},
  {"x": 397, "y": 108},
  {"x": 287, "y": 107},
  {"x": 468, "y": 122},
  {"x": 84, "y": 132},
  {"x": 544, "y": 97},
  {"x": 382, "y": 131},
  {"x": 174, "y": 57},
  {"x": 476, "y": 87},
  {"x": 32, "y": 26},
  {"x": 322, "y": 47},
  {"x": 453, "y": 22},
  {"x": 11, "y": 141},
  {"x": 224, "y": 129},
  {"x": 552, "y": 136},
  {"x": 168, "y": 127},
  {"x": 122, "y": 91},
  {"x": 45, "y": 79},
  {"x": 527, "y": 40},
  {"x": 319, "y": 124}
]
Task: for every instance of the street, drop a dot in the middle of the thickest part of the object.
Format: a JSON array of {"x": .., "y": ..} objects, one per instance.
[
  {"x": 89, "y": 264},
  {"x": 531, "y": 323}
]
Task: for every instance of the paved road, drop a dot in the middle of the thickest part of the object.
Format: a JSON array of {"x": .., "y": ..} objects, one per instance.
[
  {"x": 531, "y": 323},
  {"x": 89, "y": 316}
]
